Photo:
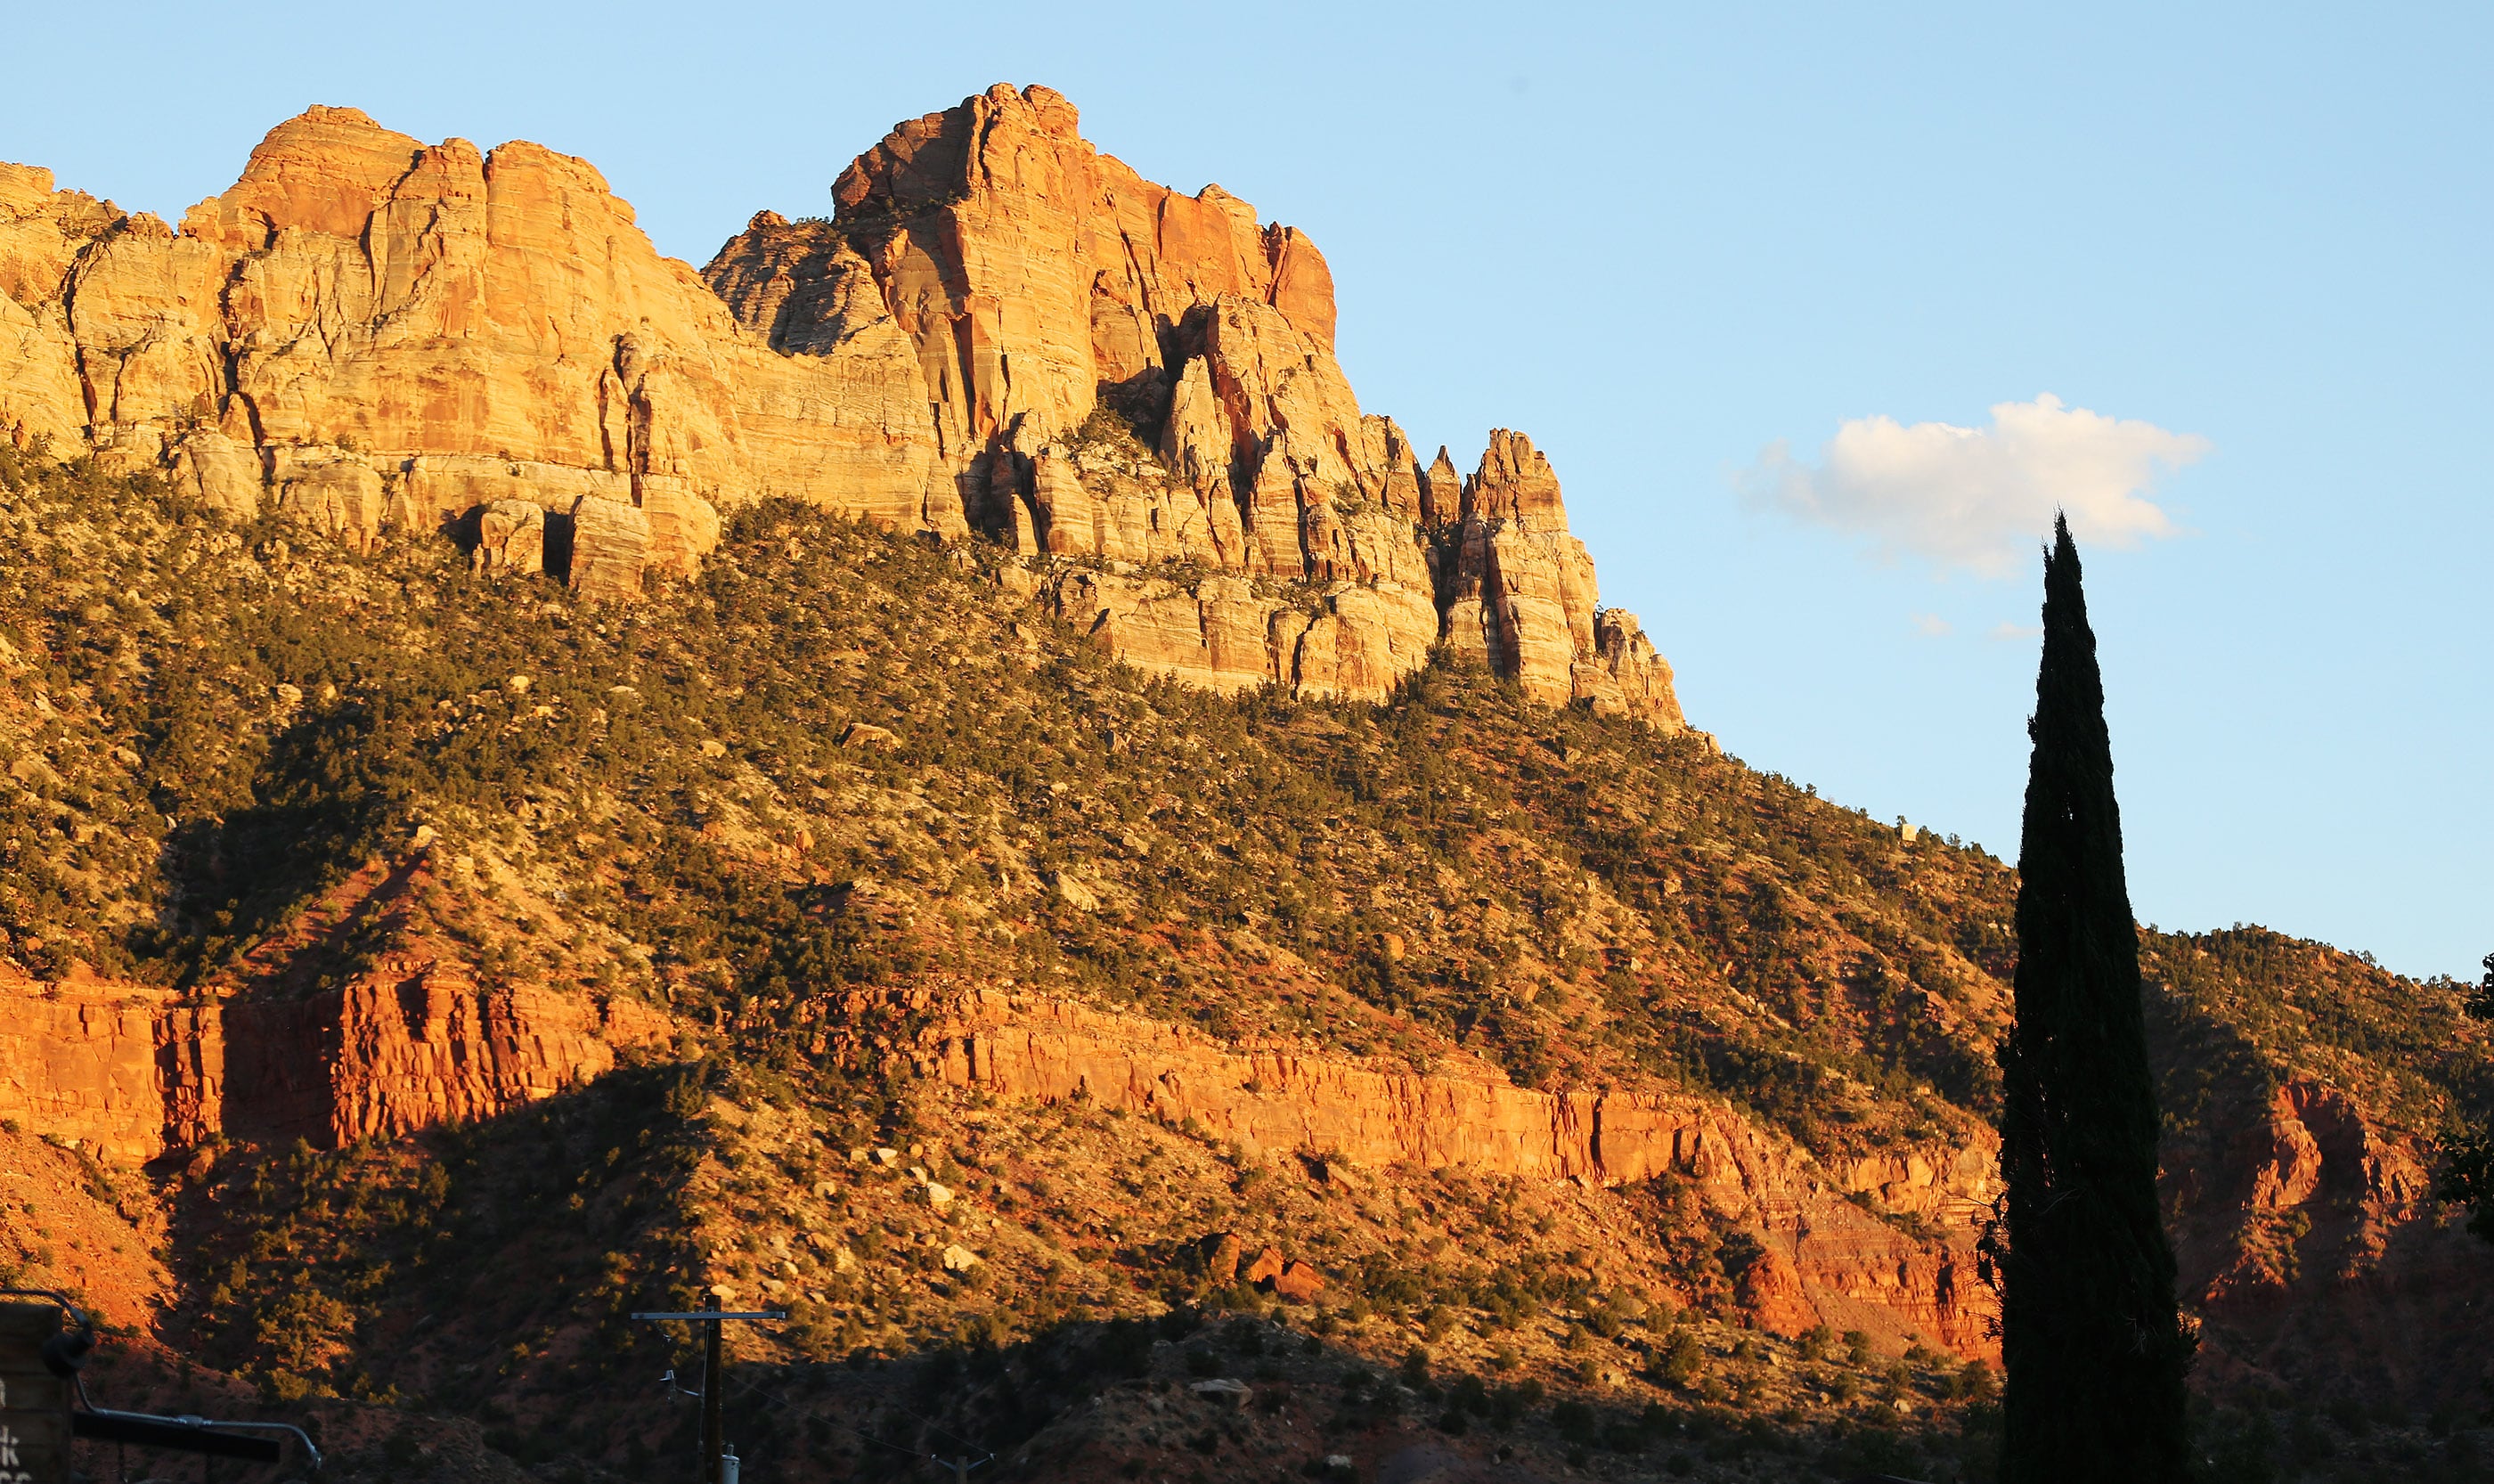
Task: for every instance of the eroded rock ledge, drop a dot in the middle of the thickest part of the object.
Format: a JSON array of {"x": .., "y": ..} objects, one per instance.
[{"x": 1823, "y": 1258}]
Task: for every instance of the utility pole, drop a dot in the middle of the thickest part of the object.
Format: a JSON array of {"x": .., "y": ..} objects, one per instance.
[
  {"x": 961, "y": 1467},
  {"x": 714, "y": 1397},
  {"x": 714, "y": 1385}
]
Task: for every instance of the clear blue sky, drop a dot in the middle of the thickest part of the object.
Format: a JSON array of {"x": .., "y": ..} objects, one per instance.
[{"x": 1661, "y": 240}]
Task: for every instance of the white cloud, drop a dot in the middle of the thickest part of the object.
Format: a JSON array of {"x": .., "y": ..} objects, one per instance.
[
  {"x": 2005, "y": 630},
  {"x": 1981, "y": 499},
  {"x": 1931, "y": 625}
]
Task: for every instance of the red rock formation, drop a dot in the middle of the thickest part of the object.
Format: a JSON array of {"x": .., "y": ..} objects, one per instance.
[
  {"x": 381, "y": 1059},
  {"x": 133, "y": 1073},
  {"x": 1854, "y": 1271},
  {"x": 1038, "y": 278},
  {"x": 1519, "y": 594},
  {"x": 80, "y": 1061},
  {"x": 2311, "y": 1247}
]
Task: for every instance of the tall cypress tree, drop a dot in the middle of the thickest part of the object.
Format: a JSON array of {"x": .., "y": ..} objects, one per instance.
[{"x": 2093, "y": 1343}]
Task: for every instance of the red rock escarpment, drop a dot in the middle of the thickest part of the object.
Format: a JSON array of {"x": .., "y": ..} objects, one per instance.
[
  {"x": 133, "y": 1072},
  {"x": 2309, "y": 1242},
  {"x": 100, "y": 1064},
  {"x": 1825, "y": 1258}
]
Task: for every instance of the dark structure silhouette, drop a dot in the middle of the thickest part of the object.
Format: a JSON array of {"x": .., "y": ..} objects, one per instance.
[{"x": 2093, "y": 1343}]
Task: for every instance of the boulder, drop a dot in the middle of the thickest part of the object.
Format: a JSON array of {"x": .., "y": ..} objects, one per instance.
[
  {"x": 610, "y": 546},
  {"x": 219, "y": 472},
  {"x": 510, "y": 538},
  {"x": 342, "y": 494},
  {"x": 684, "y": 526},
  {"x": 1220, "y": 1253}
]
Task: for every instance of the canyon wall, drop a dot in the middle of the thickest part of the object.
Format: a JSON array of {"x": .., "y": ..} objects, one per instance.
[{"x": 1002, "y": 331}]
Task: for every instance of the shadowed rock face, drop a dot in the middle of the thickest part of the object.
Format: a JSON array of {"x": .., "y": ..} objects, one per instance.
[{"x": 135, "y": 1071}]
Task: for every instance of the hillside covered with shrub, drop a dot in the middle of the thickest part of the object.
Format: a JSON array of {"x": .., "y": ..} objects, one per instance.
[{"x": 793, "y": 809}]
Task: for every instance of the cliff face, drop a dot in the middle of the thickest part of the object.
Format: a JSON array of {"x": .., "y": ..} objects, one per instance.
[
  {"x": 1822, "y": 1259},
  {"x": 1046, "y": 286},
  {"x": 393, "y": 336},
  {"x": 131, "y": 1074}
]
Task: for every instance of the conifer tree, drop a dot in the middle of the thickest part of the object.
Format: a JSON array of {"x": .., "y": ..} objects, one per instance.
[
  {"x": 2466, "y": 1175},
  {"x": 2093, "y": 1343}
]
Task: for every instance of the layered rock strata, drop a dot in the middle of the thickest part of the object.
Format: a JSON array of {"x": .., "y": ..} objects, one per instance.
[
  {"x": 132, "y": 1072},
  {"x": 1822, "y": 1259},
  {"x": 390, "y": 334}
]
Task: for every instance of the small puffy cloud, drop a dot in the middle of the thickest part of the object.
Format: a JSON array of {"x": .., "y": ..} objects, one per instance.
[
  {"x": 1981, "y": 499},
  {"x": 2007, "y": 631},
  {"x": 1931, "y": 625}
]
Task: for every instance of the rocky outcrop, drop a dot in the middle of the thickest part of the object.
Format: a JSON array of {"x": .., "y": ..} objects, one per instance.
[
  {"x": 93, "y": 1062},
  {"x": 2310, "y": 1243},
  {"x": 378, "y": 1058},
  {"x": 610, "y": 545},
  {"x": 511, "y": 537},
  {"x": 402, "y": 332},
  {"x": 1026, "y": 268},
  {"x": 1044, "y": 284},
  {"x": 1001, "y": 330},
  {"x": 1837, "y": 1262},
  {"x": 132, "y": 1073},
  {"x": 1520, "y": 596},
  {"x": 1226, "y": 634}
]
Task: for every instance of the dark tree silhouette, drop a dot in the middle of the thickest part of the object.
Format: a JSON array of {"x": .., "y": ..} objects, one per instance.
[
  {"x": 2093, "y": 1343},
  {"x": 2468, "y": 1152}
]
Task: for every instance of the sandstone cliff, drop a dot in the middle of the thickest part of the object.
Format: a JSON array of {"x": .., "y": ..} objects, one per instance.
[
  {"x": 1057, "y": 299},
  {"x": 391, "y": 336},
  {"x": 133, "y": 1072},
  {"x": 1823, "y": 1258}
]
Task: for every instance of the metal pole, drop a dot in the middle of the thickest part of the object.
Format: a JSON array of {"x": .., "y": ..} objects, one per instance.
[{"x": 714, "y": 1402}]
